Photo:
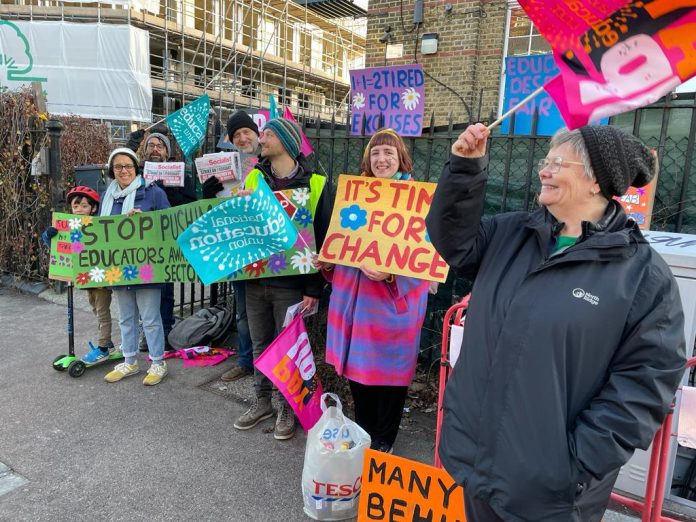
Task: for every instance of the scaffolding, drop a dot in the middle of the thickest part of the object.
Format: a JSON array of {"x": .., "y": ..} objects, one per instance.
[{"x": 239, "y": 52}]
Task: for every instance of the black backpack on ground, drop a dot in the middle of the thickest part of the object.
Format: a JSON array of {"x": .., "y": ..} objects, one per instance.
[{"x": 206, "y": 327}]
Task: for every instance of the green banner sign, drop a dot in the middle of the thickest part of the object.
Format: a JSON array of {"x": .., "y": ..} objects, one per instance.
[
  {"x": 61, "y": 262},
  {"x": 142, "y": 248}
]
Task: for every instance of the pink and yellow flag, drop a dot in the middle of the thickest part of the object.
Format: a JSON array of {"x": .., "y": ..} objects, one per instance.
[{"x": 615, "y": 55}]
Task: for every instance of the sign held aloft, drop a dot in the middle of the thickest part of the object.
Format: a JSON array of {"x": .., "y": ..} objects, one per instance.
[
  {"x": 380, "y": 223},
  {"x": 225, "y": 166},
  {"x": 171, "y": 174},
  {"x": 190, "y": 124},
  {"x": 396, "y": 93}
]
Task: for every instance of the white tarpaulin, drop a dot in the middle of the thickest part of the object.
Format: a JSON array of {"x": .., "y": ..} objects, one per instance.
[{"x": 92, "y": 70}]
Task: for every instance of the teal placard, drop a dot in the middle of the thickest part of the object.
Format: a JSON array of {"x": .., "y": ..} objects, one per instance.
[
  {"x": 237, "y": 233},
  {"x": 189, "y": 125}
]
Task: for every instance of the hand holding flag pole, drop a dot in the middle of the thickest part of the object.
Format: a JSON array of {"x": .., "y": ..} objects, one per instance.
[{"x": 515, "y": 108}]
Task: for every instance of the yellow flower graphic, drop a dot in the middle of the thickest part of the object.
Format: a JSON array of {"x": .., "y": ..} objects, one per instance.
[
  {"x": 113, "y": 275},
  {"x": 87, "y": 220}
]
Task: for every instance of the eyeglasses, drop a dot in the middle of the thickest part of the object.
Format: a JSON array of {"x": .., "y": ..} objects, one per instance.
[
  {"x": 159, "y": 146},
  {"x": 554, "y": 165},
  {"x": 121, "y": 168}
]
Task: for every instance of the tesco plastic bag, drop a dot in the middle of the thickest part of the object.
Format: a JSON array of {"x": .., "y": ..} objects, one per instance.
[{"x": 332, "y": 473}]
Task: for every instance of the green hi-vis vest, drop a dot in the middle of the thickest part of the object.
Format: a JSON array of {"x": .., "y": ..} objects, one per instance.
[{"x": 316, "y": 185}]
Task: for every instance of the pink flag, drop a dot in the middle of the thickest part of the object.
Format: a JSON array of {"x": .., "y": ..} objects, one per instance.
[
  {"x": 307, "y": 148},
  {"x": 289, "y": 363},
  {"x": 615, "y": 55}
]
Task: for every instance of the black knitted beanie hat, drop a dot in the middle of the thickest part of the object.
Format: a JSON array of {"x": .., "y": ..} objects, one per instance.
[
  {"x": 240, "y": 120},
  {"x": 619, "y": 160}
]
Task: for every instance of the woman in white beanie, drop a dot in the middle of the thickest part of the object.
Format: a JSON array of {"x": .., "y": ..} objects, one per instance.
[{"x": 129, "y": 194}]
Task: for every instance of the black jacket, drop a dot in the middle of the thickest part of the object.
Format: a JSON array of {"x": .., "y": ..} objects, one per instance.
[
  {"x": 568, "y": 362},
  {"x": 310, "y": 284}
]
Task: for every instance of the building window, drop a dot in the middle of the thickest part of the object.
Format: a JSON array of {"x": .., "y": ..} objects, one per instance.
[
  {"x": 522, "y": 37},
  {"x": 303, "y": 100},
  {"x": 284, "y": 96},
  {"x": 249, "y": 89},
  {"x": 267, "y": 37}
]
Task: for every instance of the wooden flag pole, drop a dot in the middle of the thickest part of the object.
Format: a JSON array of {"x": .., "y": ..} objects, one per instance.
[
  {"x": 515, "y": 108},
  {"x": 154, "y": 124}
]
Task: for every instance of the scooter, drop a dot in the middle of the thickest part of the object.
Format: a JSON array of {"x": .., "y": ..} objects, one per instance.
[{"x": 70, "y": 362}]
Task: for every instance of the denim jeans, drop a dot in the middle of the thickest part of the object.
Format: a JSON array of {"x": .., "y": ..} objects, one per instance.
[
  {"x": 245, "y": 358},
  {"x": 266, "y": 307},
  {"x": 167, "y": 308},
  {"x": 143, "y": 302}
]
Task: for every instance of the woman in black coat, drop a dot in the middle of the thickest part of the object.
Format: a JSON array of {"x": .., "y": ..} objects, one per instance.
[{"x": 574, "y": 342}]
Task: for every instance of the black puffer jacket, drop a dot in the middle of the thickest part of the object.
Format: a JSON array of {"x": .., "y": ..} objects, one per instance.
[{"x": 569, "y": 361}]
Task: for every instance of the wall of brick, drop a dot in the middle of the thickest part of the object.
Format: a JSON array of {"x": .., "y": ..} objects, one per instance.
[{"x": 469, "y": 57}]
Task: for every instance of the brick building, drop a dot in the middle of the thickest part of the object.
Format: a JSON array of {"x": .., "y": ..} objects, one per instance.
[{"x": 473, "y": 37}]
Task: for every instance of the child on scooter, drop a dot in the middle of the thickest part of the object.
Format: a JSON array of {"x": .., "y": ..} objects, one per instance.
[{"x": 84, "y": 201}]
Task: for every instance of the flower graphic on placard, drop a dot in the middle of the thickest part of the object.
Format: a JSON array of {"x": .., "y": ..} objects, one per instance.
[
  {"x": 235, "y": 274},
  {"x": 640, "y": 191},
  {"x": 76, "y": 247},
  {"x": 87, "y": 220},
  {"x": 303, "y": 217},
  {"x": 75, "y": 223},
  {"x": 410, "y": 98},
  {"x": 113, "y": 275},
  {"x": 353, "y": 217},
  {"x": 256, "y": 268},
  {"x": 300, "y": 196},
  {"x": 130, "y": 272},
  {"x": 358, "y": 100},
  {"x": 277, "y": 263},
  {"x": 146, "y": 273},
  {"x": 302, "y": 260},
  {"x": 97, "y": 274},
  {"x": 304, "y": 238},
  {"x": 82, "y": 278},
  {"x": 75, "y": 235}
]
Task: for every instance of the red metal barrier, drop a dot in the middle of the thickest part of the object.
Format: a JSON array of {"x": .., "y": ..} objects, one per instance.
[
  {"x": 650, "y": 507},
  {"x": 457, "y": 311}
]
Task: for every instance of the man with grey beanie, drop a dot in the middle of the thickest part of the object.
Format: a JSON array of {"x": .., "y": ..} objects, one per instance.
[{"x": 574, "y": 340}]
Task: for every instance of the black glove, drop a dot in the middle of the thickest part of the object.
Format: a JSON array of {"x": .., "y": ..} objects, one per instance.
[
  {"x": 135, "y": 138},
  {"x": 211, "y": 186},
  {"x": 51, "y": 232}
]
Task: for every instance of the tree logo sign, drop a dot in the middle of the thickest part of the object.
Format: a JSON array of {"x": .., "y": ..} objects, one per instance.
[{"x": 16, "y": 61}]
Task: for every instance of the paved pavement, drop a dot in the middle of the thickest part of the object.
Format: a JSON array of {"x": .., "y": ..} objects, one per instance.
[{"x": 97, "y": 451}]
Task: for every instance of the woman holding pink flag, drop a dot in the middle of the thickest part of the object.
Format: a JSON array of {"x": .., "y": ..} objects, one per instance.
[{"x": 574, "y": 339}]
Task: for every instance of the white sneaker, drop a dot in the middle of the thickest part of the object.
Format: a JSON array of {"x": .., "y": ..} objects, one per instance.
[
  {"x": 122, "y": 370},
  {"x": 155, "y": 374}
]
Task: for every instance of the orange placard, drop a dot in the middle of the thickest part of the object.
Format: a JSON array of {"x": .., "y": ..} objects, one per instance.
[
  {"x": 380, "y": 223},
  {"x": 638, "y": 203},
  {"x": 398, "y": 489}
]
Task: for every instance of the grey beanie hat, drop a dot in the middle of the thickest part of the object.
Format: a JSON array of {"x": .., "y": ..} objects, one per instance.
[
  {"x": 164, "y": 140},
  {"x": 619, "y": 160}
]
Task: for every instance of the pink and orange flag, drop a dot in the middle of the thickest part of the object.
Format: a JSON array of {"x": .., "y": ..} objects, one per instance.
[{"x": 613, "y": 55}]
